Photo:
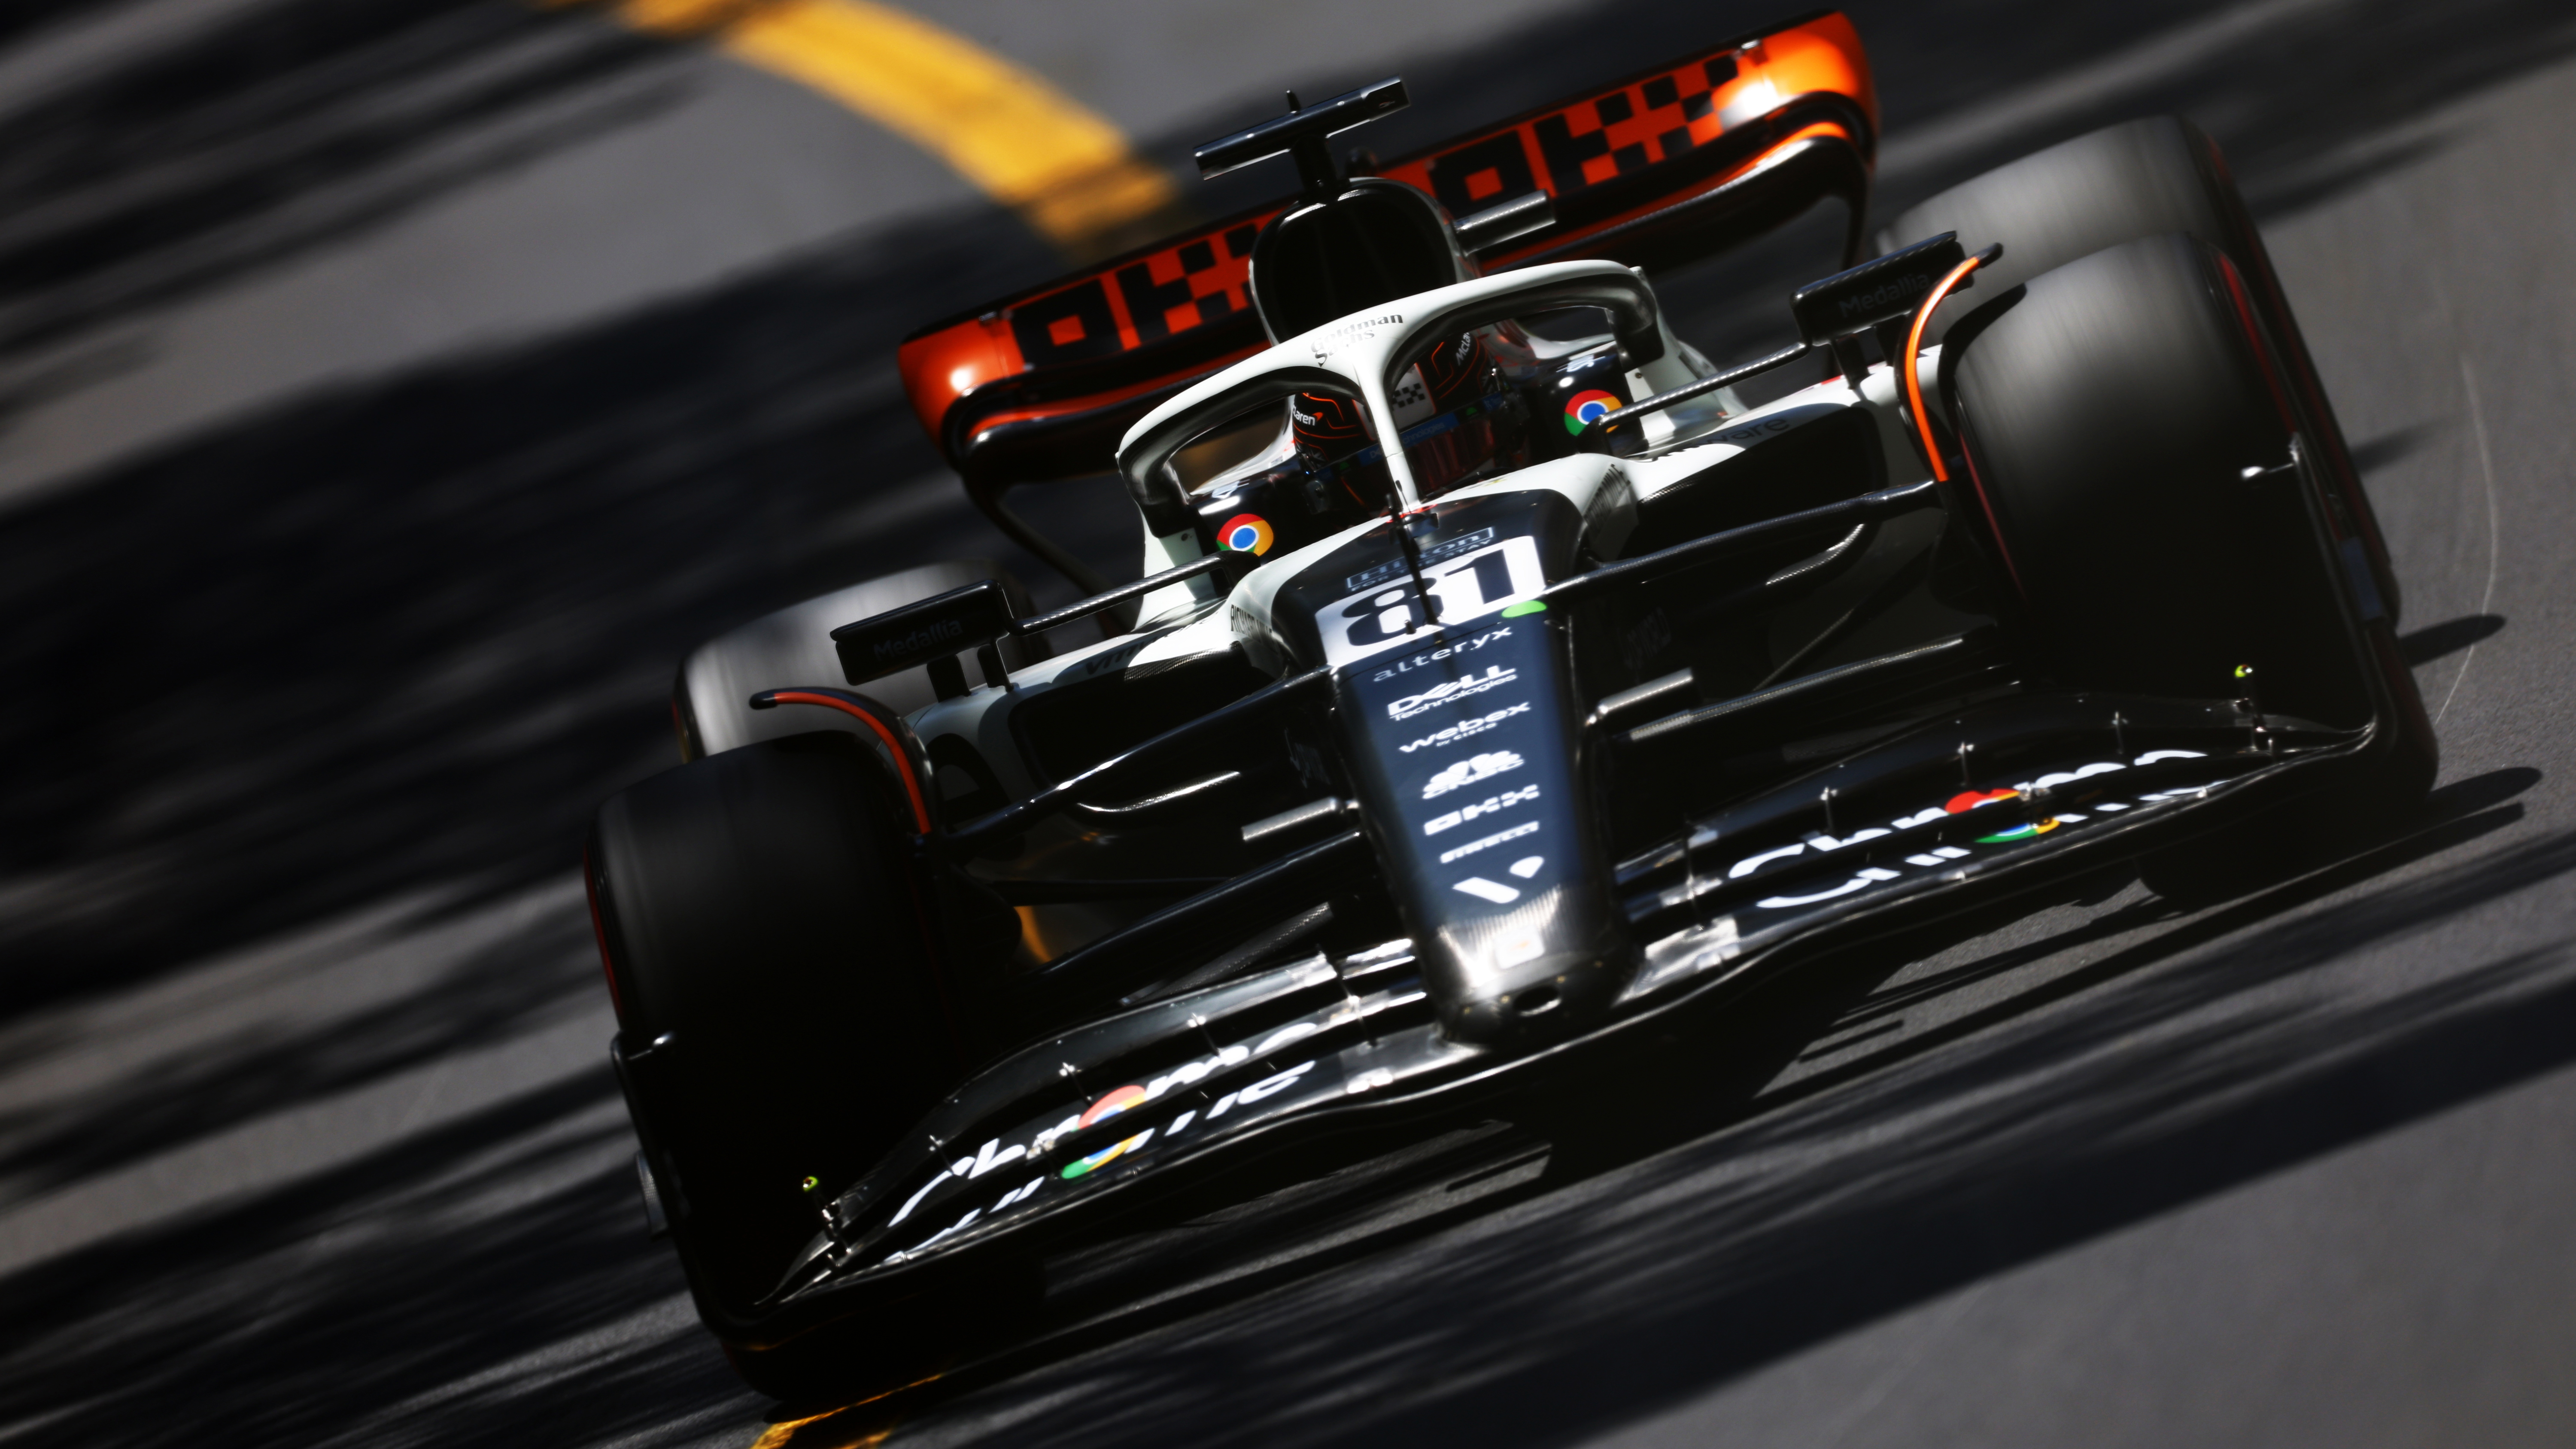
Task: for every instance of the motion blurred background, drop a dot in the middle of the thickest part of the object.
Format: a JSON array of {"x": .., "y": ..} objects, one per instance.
[{"x": 391, "y": 391}]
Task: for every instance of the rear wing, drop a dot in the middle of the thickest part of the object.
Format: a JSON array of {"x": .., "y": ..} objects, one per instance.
[{"x": 1678, "y": 162}]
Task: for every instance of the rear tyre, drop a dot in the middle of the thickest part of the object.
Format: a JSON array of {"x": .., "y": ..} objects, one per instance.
[
  {"x": 2123, "y": 183},
  {"x": 780, "y": 1005},
  {"x": 2108, "y": 414}
]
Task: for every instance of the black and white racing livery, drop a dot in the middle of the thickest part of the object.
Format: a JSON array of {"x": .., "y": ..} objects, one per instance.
[{"x": 1427, "y": 770}]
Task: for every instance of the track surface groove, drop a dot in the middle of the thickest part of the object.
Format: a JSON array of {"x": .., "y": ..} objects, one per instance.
[{"x": 391, "y": 390}]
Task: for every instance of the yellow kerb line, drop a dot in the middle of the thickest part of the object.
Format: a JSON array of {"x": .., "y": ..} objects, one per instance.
[
  {"x": 792, "y": 1434},
  {"x": 1020, "y": 140}
]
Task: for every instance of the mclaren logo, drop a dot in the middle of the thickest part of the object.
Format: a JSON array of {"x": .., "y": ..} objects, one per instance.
[
  {"x": 1885, "y": 294},
  {"x": 919, "y": 641}
]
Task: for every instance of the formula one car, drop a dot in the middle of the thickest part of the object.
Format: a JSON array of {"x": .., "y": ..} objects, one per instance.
[{"x": 1504, "y": 682}]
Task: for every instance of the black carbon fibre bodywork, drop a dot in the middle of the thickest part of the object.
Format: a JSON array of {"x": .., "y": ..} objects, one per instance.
[{"x": 1489, "y": 845}]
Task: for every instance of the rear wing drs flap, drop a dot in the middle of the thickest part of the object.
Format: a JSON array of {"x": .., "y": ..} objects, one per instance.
[{"x": 1678, "y": 162}]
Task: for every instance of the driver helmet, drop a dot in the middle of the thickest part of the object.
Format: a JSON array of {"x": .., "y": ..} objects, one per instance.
[{"x": 1448, "y": 408}]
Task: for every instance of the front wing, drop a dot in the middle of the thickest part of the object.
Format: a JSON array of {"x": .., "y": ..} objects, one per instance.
[{"x": 1159, "y": 1096}]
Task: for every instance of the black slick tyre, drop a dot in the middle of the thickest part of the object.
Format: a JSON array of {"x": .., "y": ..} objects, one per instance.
[
  {"x": 2122, "y": 183},
  {"x": 781, "y": 1009},
  {"x": 2109, "y": 415},
  {"x": 2109, "y": 412}
]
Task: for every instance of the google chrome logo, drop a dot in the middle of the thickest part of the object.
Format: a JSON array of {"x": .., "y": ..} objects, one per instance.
[
  {"x": 1111, "y": 1105},
  {"x": 1963, "y": 803},
  {"x": 1585, "y": 408},
  {"x": 1101, "y": 1111},
  {"x": 1245, "y": 533},
  {"x": 1084, "y": 1167}
]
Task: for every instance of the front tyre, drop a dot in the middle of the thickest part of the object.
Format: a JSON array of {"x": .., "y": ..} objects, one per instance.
[
  {"x": 2109, "y": 412},
  {"x": 781, "y": 1004},
  {"x": 2125, "y": 183}
]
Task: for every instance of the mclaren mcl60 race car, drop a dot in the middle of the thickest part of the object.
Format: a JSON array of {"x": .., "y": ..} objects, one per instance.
[{"x": 1504, "y": 683}]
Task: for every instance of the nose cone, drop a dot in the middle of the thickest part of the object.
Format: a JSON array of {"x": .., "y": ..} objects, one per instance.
[
  {"x": 1537, "y": 973},
  {"x": 1464, "y": 751}
]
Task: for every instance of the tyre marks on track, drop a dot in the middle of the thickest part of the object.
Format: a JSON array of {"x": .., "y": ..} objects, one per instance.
[{"x": 2486, "y": 475}]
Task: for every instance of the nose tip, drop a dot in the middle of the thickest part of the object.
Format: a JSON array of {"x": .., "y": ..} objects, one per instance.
[{"x": 1535, "y": 1011}]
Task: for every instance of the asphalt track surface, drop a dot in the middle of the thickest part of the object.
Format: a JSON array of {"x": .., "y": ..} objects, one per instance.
[{"x": 390, "y": 393}]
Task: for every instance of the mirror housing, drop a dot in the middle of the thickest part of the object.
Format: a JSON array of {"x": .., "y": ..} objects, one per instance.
[
  {"x": 1883, "y": 290},
  {"x": 936, "y": 628}
]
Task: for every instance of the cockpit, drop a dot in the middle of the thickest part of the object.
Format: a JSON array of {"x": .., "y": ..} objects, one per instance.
[
  {"x": 1513, "y": 384},
  {"x": 1489, "y": 401}
]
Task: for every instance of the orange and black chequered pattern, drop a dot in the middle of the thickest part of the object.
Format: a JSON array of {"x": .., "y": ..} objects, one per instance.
[{"x": 1195, "y": 285}]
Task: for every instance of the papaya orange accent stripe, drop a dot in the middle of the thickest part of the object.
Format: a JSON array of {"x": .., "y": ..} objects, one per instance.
[
  {"x": 1923, "y": 423},
  {"x": 894, "y": 747},
  {"x": 1914, "y": 366},
  {"x": 1029, "y": 934}
]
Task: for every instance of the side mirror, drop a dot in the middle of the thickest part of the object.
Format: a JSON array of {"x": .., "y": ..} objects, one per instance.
[
  {"x": 1883, "y": 290},
  {"x": 1879, "y": 294},
  {"x": 936, "y": 628}
]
